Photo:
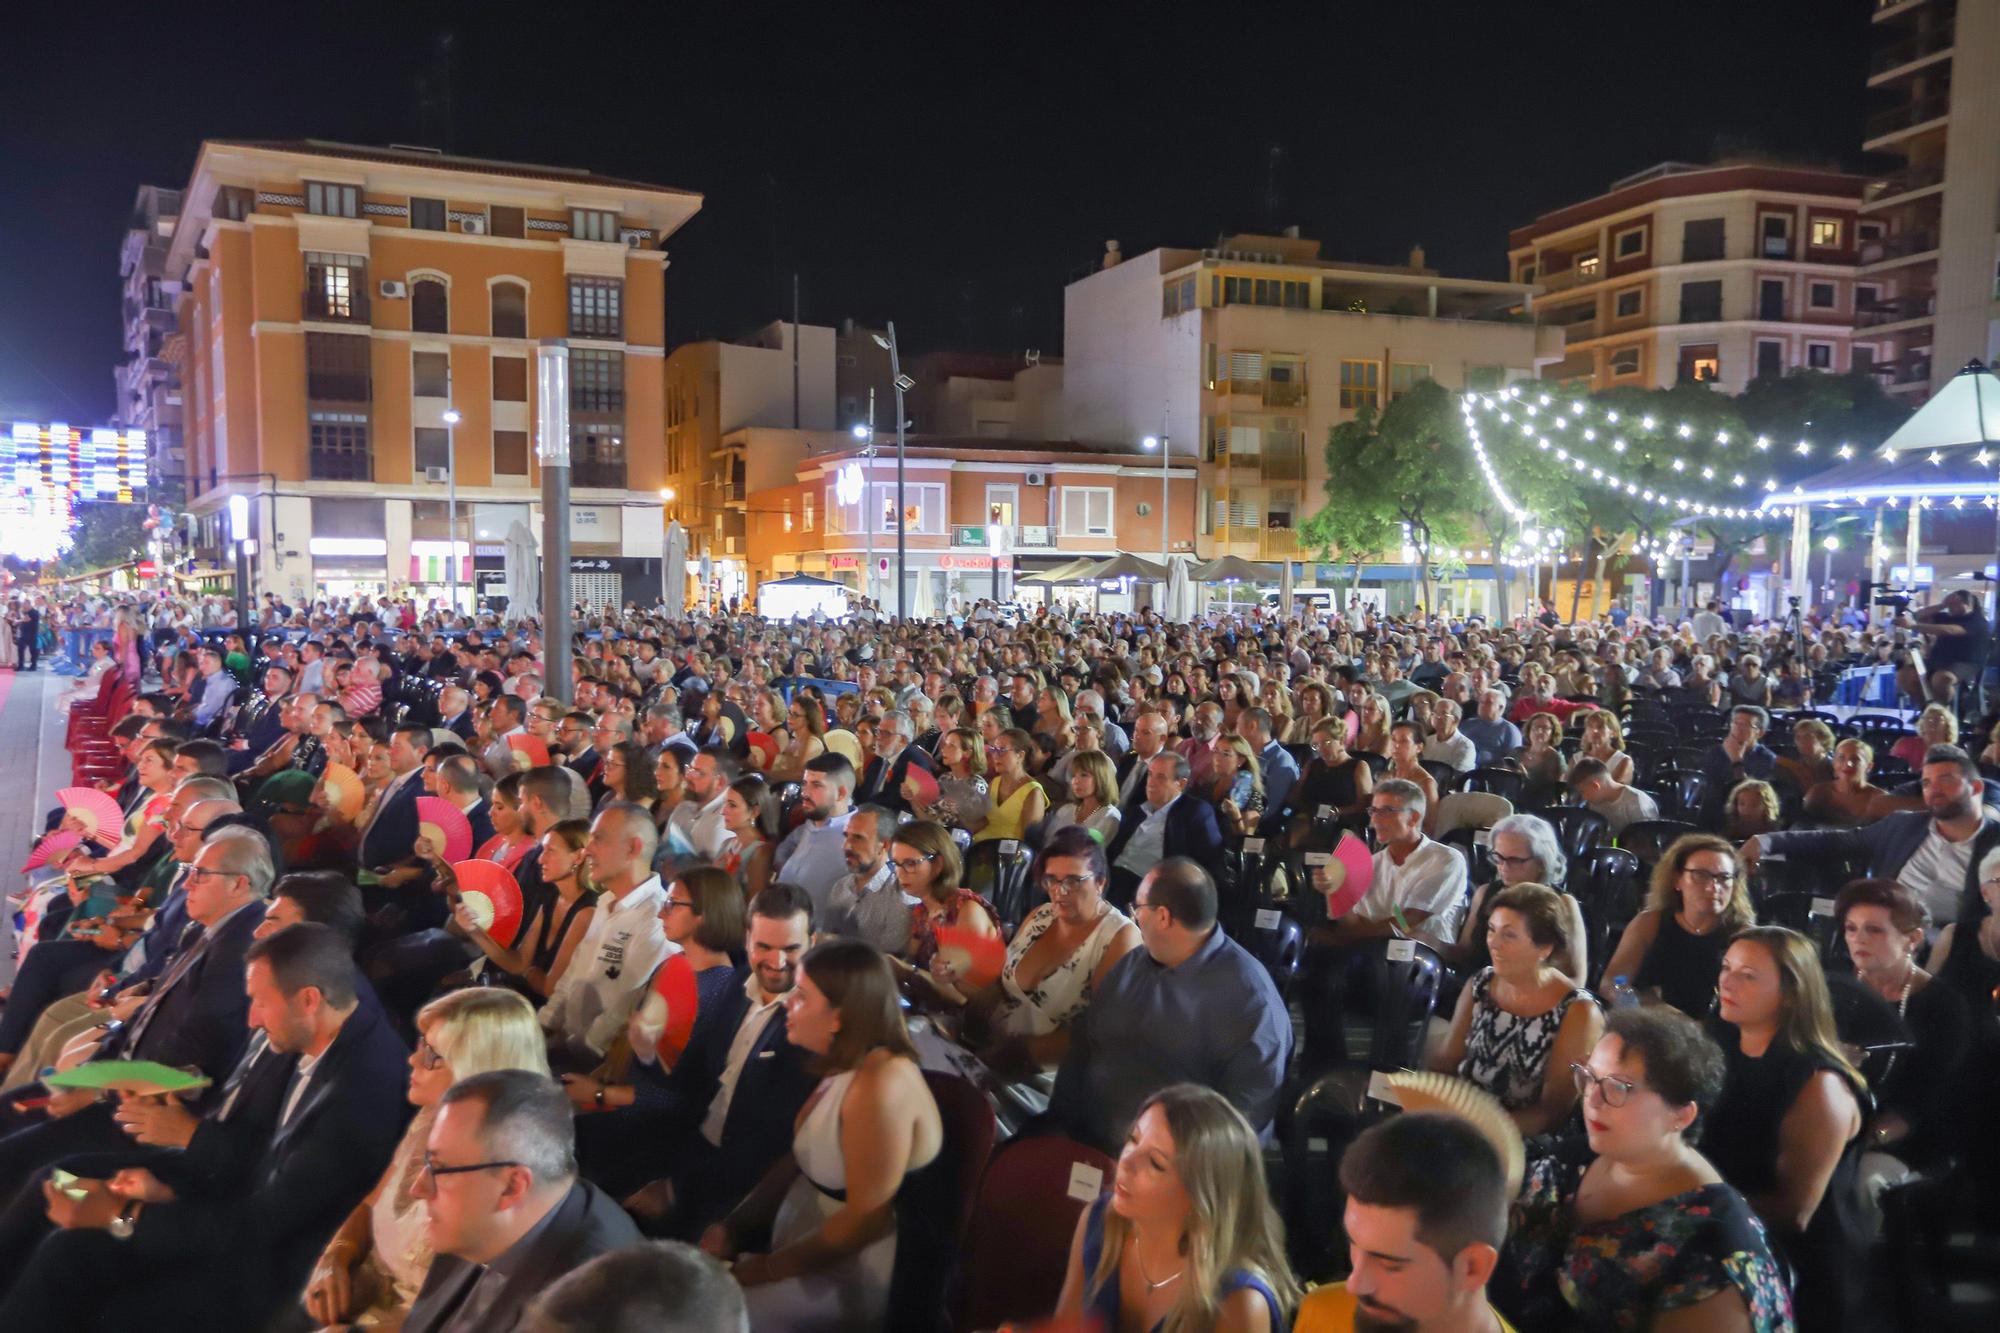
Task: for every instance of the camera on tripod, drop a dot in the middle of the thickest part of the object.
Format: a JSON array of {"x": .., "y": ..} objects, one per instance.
[{"x": 1887, "y": 595}]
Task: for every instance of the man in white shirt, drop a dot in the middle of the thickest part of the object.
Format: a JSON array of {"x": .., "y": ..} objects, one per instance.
[
  {"x": 812, "y": 856},
  {"x": 700, "y": 820},
  {"x": 1619, "y": 804},
  {"x": 619, "y": 951},
  {"x": 1449, "y": 745},
  {"x": 1708, "y": 622}
]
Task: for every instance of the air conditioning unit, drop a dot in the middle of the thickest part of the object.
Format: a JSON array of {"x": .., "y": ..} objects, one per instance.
[
  {"x": 1037, "y": 478},
  {"x": 634, "y": 240},
  {"x": 473, "y": 226},
  {"x": 437, "y": 476},
  {"x": 391, "y": 290}
]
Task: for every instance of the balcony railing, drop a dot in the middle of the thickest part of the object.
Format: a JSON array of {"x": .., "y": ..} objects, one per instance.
[
  {"x": 1897, "y": 54},
  {"x": 1915, "y": 112},
  {"x": 1903, "y": 182},
  {"x": 1277, "y": 543},
  {"x": 1899, "y": 246},
  {"x": 1894, "y": 311},
  {"x": 321, "y": 304},
  {"x": 1574, "y": 276},
  {"x": 1776, "y": 247},
  {"x": 1579, "y": 329},
  {"x": 1284, "y": 393}
]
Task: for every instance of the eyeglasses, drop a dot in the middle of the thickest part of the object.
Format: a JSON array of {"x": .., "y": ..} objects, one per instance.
[
  {"x": 1613, "y": 1091},
  {"x": 1500, "y": 860},
  {"x": 999, "y": 749},
  {"x": 1711, "y": 878},
  {"x": 195, "y": 872},
  {"x": 1065, "y": 885},
  {"x": 427, "y": 1056},
  {"x": 672, "y": 903},
  {"x": 433, "y": 1170},
  {"x": 915, "y": 862},
  {"x": 1377, "y": 810}
]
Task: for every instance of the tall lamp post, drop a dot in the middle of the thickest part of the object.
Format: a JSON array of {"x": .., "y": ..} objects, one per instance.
[
  {"x": 552, "y": 449},
  {"x": 451, "y": 419},
  {"x": 867, "y": 433},
  {"x": 903, "y": 385},
  {"x": 239, "y": 538},
  {"x": 1161, "y": 443}
]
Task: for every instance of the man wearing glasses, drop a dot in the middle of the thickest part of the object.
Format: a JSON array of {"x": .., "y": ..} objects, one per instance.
[{"x": 508, "y": 1213}]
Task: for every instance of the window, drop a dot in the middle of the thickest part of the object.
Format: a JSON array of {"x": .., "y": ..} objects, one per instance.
[
  {"x": 788, "y": 515},
  {"x": 1770, "y": 357},
  {"x": 510, "y": 379},
  {"x": 1867, "y": 297},
  {"x": 595, "y": 308},
  {"x": 807, "y": 515},
  {"x": 1819, "y": 356},
  {"x": 1701, "y": 302},
  {"x": 430, "y": 374},
  {"x": 1630, "y": 242},
  {"x": 1700, "y": 362},
  {"x": 1870, "y": 231},
  {"x": 1178, "y": 296},
  {"x": 337, "y": 367},
  {"x": 1701, "y": 238},
  {"x": 1821, "y": 296},
  {"x": 1625, "y": 361},
  {"x": 1282, "y": 507},
  {"x": 510, "y": 310},
  {"x": 1246, "y": 442},
  {"x": 333, "y": 201},
  {"x": 1589, "y": 267},
  {"x": 1484, "y": 379},
  {"x": 1826, "y": 232},
  {"x": 1629, "y": 304},
  {"x": 1774, "y": 234},
  {"x": 430, "y": 306},
  {"x": 1246, "y": 367},
  {"x": 1407, "y": 375},
  {"x": 593, "y": 224},
  {"x": 504, "y": 221},
  {"x": 923, "y": 509},
  {"x": 233, "y": 203},
  {"x": 1527, "y": 273},
  {"x": 510, "y": 453},
  {"x": 597, "y": 455},
  {"x": 433, "y": 448},
  {"x": 1360, "y": 384},
  {"x": 337, "y": 446},
  {"x": 336, "y": 286},
  {"x": 596, "y": 381},
  {"x": 1086, "y": 511},
  {"x": 1771, "y": 298},
  {"x": 1298, "y": 295},
  {"x": 1235, "y": 514},
  {"x": 1861, "y": 357},
  {"x": 426, "y": 214}
]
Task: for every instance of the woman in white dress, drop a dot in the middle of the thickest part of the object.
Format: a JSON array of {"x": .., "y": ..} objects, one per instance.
[
  {"x": 1093, "y": 803},
  {"x": 10, "y": 653},
  {"x": 1058, "y": 958},
  {"x": 865, "y": 1135},
  {"x": 370, "y": 1272}
]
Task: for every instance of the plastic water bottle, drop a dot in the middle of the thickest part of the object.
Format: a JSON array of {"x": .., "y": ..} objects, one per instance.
[{"x": 1622, "y": 994}]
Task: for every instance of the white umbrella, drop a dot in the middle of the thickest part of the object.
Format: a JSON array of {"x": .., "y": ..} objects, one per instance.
[
  {"x": 524, "y": 573},
  {"x": 1180, "y": 592},
  {"x": 673, "y": 570},
  {"x": 1285, "y": 591},
  {"x": 924, "y": 606}
]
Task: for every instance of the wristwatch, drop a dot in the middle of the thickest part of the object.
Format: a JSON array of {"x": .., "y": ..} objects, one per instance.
[{"x": 121, "y": 1226}]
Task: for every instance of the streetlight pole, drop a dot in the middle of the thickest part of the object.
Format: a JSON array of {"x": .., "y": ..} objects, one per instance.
[
  {"x": 451, "y": 500},
  {"x": 552, "y": 448},
  {"x": 903, "y": 383}
]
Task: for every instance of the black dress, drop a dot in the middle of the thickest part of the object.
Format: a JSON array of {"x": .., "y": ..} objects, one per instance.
[
  {"x": 1323, "y": 785},
  {"x": 1741, "y": 1139},
  {"x": 1684, "y": 966}
]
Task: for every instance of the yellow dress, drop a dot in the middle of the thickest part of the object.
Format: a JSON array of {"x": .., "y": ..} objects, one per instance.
[
  {"x": 1329, "y": 1309},
  {"x": 1004, "y": 819}
]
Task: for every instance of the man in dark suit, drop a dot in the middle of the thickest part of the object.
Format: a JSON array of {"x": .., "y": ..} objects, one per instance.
[
  {"x": 1149, "y": 737},
  {"x": 455, "y": 713},
  {"x": 193, "y": 1015},
  {"x": 508, "y": 1214},
  {"x": 1165, "y": 820},
  {"x": 224, "y": 1234},
  {"x": 732, "y": 1098},
  {"x": 882, "y": 781},
  {"x": 261, "y": 723},
  {"x": 389, "y": 835}
]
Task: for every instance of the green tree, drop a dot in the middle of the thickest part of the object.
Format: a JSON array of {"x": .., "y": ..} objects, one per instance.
[{"x": 106, "y": 533}]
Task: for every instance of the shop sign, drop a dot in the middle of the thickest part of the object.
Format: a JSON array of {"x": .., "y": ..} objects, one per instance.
[
  {"x": 950, "y": 561},
  {"x": 588, "y": 565},
  {"x": 969, "y": 536}
]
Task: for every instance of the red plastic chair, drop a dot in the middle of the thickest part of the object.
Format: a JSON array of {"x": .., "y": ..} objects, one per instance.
[
  {"x": 85, "y": 714},
  {"x": 1018, "y": 1248},
  {"x": 935, "y": 1205}
]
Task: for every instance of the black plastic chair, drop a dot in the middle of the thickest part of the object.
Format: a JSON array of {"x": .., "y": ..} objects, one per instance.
[
  {"x": 1610, "y": 888},
  {"x": 1685, "y": 796},
  {"x": 788, "y": 805},
  {"x": 1441, "y": 773},
  {"x": 997, "y": 870},
  {"x": 1578, "y": 830},
  {"x": 1810, "y": 914},
  {"x": 1648, "y": 839},
  {"x": 1280, "y": 946},
  {"x": 1479, "y": 857},
  {"x": 1378, "y": 764},
  {"x": 1497, "y": 781}
]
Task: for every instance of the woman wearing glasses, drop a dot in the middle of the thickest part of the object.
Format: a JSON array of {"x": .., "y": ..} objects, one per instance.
[
  {"x": 1523, "y": 850},
  {"x": 1673, "y": 949},
  {"x": 1018, "y": 800},
  {"x": 376, "y": 1262},
  {"x": 1631, "y": 1227},
  {"x": 1020, "y": 1023},
  {"x": 928, "y": 868}
]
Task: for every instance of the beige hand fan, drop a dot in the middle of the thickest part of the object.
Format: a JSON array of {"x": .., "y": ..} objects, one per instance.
[{"x": 1427, "y": 1091}]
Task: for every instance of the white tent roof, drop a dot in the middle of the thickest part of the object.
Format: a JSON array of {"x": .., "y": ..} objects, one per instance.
[
  {"x": 1941, "y": 454},
  {"x": 1965, "y": 411}
]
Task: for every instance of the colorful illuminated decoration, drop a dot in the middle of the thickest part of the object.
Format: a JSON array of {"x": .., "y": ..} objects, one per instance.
[{"x": 95, "y": 464}]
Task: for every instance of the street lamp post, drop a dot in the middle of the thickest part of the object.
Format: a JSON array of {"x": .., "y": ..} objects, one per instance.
[
  {"x": 867, "y": 433},
  {"x": 451, "y": 503},
  {"x": 239, "y": 534},
  {"x": 903, "y": 384},
  {"x": 1165, "y": 447},
  {"x": 552, "y": 448}
]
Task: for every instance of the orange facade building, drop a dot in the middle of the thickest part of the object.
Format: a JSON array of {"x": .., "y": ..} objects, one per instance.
[{"x": 341, "y": 302}]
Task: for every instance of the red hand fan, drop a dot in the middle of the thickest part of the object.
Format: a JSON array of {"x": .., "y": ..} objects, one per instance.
[
  {"x": 1345, "y": 878},
  {"x": 528, "y": 752},
  {"x": 494, "y": 897},
  {"x": 444, "y": 825},
  {"x": 59, "y": 841},
  {"x": 923, "y": 786},
  {"x": 977, "y": 958},
  {"x": 344, "y": 792},
  {"x": 95, "y": 810},
  {"x": 665, "y": 1017}
]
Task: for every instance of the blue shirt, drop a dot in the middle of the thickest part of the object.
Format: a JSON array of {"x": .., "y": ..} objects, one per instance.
[
  {"x": 216, "y": 692},
  {"x": 1215, "y": 1019},
  {"x": 1491, "y": 739},
  {"x": 811, "y": 857},
  {"x": 1280, "y": 772}
]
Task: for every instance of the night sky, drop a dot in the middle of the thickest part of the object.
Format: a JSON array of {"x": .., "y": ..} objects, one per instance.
[{"x": 950, "y": 173}]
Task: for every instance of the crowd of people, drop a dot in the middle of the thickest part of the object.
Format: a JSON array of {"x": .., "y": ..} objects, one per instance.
[{"x": 737, "y": 980}]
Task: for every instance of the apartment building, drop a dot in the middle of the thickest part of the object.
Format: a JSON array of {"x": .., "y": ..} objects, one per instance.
[
  {"x": 148, "y": 388},
  {"x": 1935, "y": 75},
  {"x": 1245, "y": 355},
  {"x": 357, "y": 332},
  {"x": 1718, "y": 273},
  {"x": 828, "y": 508}
]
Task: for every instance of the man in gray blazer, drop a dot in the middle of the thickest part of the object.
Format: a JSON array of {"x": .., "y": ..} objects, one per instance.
[{"x": 508, "y": 1213}]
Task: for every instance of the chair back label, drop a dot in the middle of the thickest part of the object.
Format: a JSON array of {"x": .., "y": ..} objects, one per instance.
[
  {"x": 1401, "y": 951},
  {"x": 1086, "y": 1182}
]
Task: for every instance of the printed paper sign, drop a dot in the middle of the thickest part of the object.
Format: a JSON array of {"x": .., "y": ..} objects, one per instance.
[
  {"x": 1402, "y": 951},
  {"x": 1821, "y": 907},
  {"x": 1253, "y": 846},
  {"x": 1086, "y": 1182},
  {"x": 1379, "y": 1089},
  {"x": 1267, "y": 918}
]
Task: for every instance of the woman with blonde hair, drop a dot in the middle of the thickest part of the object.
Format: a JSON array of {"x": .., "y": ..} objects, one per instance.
[
  {"x": 1237, "y": 787},
  {"x": 1186, "y": 1240},
  {"x": 1787, "y": 1131},
  {"x": 1093, "y": 803},
  {"x": 1699, "y": 899},
  {"x": 372, "y": 1269},
  {"x": 1604, "y": 739},
  {"x": 1936, "y": 725},
  {"x": 1373, "y": 735},
  {"x": 1849, "y": 798}
]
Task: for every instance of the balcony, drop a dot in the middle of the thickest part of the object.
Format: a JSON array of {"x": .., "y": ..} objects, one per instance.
[
  {"x": 320, "y": 304},
  {"x": 1283, "y": 463},
  {"x": 1578, "y": 330},
  {"x": 1277, "y": 543},
  {"x": 1776, "y": 247},
  {"x": 1574, "y": 276},
  {"x": 1911, "y": 49},
  {"x": 1895, "y": 120},
  {"x": 1880, "y": 192},
  {"x": 1902, "y": 246},
  {"x": 1899, "y": 310},
  {"x": 1284, "y": 393}
]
